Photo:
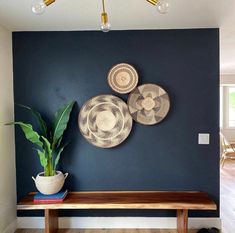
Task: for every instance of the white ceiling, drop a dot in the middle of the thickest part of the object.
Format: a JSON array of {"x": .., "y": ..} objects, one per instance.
[{"x": 128, "y": 14}]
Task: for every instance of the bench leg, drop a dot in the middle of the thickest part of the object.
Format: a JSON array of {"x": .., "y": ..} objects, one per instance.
[
  {"x": 51, "y": 221},
  {"x": 182, "y": 221}
]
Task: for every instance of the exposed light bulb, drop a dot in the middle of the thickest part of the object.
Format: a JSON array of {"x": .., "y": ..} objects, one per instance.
[
  {"x": 105, "y": 25},
  {"x": 163, "y": 6},
  {"x": 38, "y": 7}
]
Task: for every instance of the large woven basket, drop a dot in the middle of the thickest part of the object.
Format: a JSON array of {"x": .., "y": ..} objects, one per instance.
[{"x": 50, "y": 184}]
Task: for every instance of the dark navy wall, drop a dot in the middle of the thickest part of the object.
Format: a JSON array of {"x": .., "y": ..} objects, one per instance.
[{"x": 52, "y": 68}]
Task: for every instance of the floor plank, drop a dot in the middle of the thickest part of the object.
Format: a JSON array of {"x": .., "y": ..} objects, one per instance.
[
  {"x": 104, "y": 231},
  {"x": 227, "y": 196}
]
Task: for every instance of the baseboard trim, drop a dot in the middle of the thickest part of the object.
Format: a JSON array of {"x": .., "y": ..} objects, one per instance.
[
  {"x": 117, "y": 222},
  {"x": 11, "y": 228}
]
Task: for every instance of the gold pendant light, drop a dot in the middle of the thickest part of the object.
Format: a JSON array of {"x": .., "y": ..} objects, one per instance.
[
  {"x": 39, "y": 7},
  {"x": 105, "y": 25}
]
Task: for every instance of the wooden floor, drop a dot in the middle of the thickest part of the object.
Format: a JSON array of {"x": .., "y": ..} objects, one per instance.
[
  {"x": 227, "y": 197},
  {"x": 107, "y": 231}
]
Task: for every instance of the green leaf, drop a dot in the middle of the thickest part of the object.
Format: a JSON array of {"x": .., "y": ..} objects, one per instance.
[
  {"x": 59, "y": 142},
  {"x": 37, "y": 115},
  {"x": 60, "y": 122},
  {"x": 58, "y": 155},
  {"x": 29, "y": 133},
  {"x": 43, "y": 158},
  {"x": 47, "y": 146}
]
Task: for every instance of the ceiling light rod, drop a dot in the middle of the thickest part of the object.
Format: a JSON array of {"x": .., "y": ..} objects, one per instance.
[{"x": 103, "y": 5}]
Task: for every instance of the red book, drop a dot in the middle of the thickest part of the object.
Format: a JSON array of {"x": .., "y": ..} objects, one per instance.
[{"x": 48, "y": 201}]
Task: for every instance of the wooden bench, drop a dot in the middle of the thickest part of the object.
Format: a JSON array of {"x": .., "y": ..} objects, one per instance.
[{"x": 179, "y": 201}]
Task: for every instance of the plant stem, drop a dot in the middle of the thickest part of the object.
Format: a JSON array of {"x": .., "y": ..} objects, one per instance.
[
  {"x": 46, "y": 171},
  {"x": 50, "y": 167}
]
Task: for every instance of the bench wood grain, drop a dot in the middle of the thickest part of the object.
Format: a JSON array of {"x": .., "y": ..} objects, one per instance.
[{"x": 180, "y": 201}]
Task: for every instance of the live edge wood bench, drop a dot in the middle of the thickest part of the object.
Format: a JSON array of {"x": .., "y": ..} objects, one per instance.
[{"x": 182, "y": 202}]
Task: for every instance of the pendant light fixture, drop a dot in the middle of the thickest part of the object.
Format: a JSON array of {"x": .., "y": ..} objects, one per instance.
[
  {"x": 105, "y": 25},
  {"x": 39, "y": 6}
]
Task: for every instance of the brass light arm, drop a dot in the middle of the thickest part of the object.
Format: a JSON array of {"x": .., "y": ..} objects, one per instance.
[
  {"x": 48, "y": 2},
  {"x": 154, "y": 2}
]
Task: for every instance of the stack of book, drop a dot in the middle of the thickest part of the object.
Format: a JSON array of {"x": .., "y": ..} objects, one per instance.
[{"x": 54, "y": 198}]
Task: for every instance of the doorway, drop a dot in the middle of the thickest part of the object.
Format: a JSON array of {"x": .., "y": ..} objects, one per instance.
[{"x": 227, "y": 171}]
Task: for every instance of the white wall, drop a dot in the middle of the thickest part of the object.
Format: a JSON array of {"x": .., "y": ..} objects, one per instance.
[
  {"x": 7, "y": 144},
  {"x": 227, "y": 79},
  {"x": 229, "y": 133}
]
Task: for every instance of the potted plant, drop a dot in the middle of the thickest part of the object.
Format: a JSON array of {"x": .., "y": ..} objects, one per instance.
[{"x": 48, "y": 147}]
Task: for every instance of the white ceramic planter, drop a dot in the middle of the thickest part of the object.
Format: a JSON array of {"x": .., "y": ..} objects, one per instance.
[{"x": 50, "y": 184}]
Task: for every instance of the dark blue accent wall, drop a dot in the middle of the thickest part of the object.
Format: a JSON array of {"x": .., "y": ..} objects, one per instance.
[{"x": 53, "y": 68}]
